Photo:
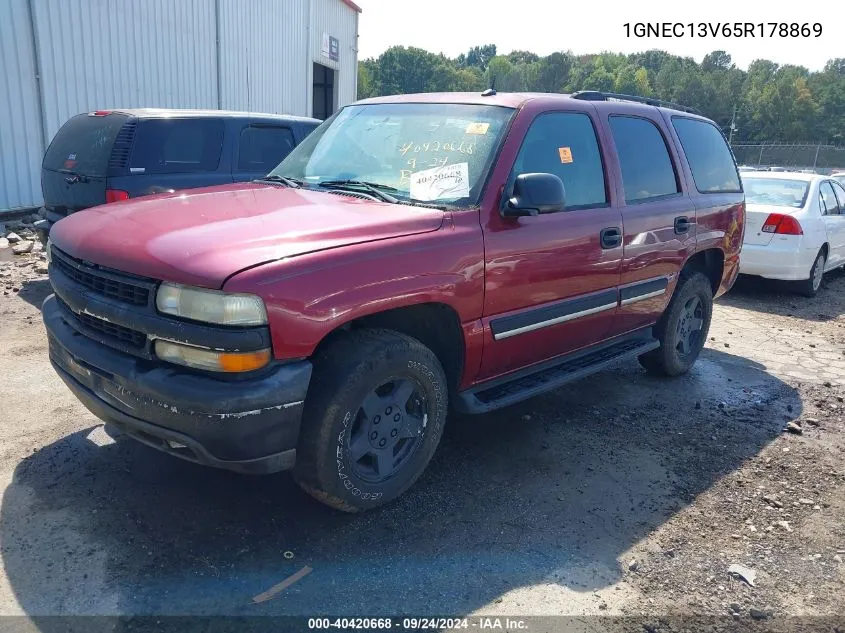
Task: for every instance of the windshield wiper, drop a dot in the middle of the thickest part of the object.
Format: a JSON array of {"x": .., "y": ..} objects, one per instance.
[
  {"x": 373, "y": 188},
  {"x": 290, "y": 182}
]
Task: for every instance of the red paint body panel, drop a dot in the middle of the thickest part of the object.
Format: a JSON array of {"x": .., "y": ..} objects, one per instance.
[
  {"x": 532, "y": 261},
  {"x": 203, "y": 236},
  {"x": 309, "y": 296}
]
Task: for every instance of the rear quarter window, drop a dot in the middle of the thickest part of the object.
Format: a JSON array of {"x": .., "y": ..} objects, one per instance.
[
  {"x": 176, "y": 146},
  {"x": 83, "y": 144},
  {"x": 262, "y": 147},
  {"x": 710, "y": 160}
]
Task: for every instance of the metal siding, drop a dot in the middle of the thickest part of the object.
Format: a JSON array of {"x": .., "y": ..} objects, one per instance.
[
  {"x": 341, "y": 21},
  {"x": 116, "y": 54},
  {"x": 105, "y": 54},
  {"x": 20, "y": 127},
  {"x": 263, "y": 50}
]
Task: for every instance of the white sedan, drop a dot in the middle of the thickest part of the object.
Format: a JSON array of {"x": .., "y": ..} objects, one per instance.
[{"x": 794, "y": 227}]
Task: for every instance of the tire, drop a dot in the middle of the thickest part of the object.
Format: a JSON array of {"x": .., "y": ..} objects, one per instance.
[
  {"x": 810, "y": 286},
  {"x": 681, "y": 341},
  {"x": 359, "y": 446}
]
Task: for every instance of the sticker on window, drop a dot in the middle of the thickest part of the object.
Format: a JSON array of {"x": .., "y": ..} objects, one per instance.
[
  {"x": 477, "y": 128},
  {"x": 448, "y": 181},
  {"x": 565, "y": 154}
]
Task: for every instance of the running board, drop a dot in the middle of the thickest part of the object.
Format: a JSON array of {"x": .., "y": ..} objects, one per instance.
[{"x": 533, "y": 381}]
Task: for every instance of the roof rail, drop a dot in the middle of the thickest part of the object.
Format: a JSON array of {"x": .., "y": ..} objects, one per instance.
[{"x": 596, "y": 95}]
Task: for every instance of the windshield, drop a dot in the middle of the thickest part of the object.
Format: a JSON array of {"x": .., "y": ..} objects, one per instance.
[
  {"x": 777, "y": 192},
  {"x": 427, "y": 152}
]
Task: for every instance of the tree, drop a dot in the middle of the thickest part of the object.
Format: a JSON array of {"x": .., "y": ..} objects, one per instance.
[
  {"x": 772, "y": 102},
  {"x": 553, "y": 72},
  {"x": 478, "y": 56},
  {"x": 522, "y": 57},
  {"x": 717, "y": 60}
]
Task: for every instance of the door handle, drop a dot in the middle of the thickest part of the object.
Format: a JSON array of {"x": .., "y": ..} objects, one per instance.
[
  {"x": 682, "y": 224},
  {"x": 610, "y": 237}
]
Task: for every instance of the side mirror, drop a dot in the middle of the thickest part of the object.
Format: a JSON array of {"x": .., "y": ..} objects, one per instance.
[{"x": 534, "y": 194}]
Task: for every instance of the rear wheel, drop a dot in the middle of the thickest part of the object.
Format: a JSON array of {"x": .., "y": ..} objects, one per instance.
[
  {"x": 682, "y": 330},
  {"x": 373, "y": 417},
  {"x": 810, "y": 286}
]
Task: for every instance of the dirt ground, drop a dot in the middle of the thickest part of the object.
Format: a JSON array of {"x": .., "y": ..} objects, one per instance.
[{"x": 621, "y": 495}]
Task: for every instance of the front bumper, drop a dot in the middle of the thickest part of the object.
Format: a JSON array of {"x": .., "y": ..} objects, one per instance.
[{"x": 245, "y": 424}]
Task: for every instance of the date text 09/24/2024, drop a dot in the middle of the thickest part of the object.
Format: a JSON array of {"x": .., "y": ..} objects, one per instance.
[
  {"x": 421, "y": 623},
  {"x": 722, "y": 29}
]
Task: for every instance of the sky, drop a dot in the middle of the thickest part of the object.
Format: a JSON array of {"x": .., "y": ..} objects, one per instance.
[{"x": 545, "y": 26}]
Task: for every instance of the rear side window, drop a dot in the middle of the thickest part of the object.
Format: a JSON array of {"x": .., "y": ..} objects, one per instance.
[
  {"x": 710, "y": 161},
  {"x": 829, "y": 203},
  {"x": 565, "y": 144},
  {"x": 261, "y": 148},
  {"x": 840, "y": 194},
  {"x": 174, "y": 146},
  {"x": 83, "y": 145},
  {"x": 647, "y": 170}
]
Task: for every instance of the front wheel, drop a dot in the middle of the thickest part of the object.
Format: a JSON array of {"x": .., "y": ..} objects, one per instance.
[
  {"x": 374, "y": 415},
  {"x": 682, "y": 330}
]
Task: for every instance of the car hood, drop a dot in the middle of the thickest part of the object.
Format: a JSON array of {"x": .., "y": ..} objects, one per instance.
[{"x": 203, "y": 236}]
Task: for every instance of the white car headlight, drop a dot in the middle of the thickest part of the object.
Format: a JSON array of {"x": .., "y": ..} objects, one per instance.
[
  {"x": 210, "y": 306},
  {"x": 48, "y": 252}
]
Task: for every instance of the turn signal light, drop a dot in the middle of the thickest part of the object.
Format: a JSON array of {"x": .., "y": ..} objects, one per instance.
[
  {"x": 211, "y": 360},
  {"x": 782, "y": 225}
]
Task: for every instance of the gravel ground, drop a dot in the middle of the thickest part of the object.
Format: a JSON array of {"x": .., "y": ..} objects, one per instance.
[{"x": 621, "y": 495}]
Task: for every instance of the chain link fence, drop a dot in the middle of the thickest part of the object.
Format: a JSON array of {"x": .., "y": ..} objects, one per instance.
[{"x": 818, "y": 157}]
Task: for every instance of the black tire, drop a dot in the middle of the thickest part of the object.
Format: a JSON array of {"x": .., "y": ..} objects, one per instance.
[
  {"x": 809, "y": 287},
  {"x": 679, "y": 345},
  {"x": 372, "y": 365}
]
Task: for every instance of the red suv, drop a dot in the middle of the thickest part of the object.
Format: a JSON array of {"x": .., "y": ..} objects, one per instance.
[{"x": 414, "y": 253}]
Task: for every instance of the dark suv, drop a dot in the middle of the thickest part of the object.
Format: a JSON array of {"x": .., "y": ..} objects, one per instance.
[
  {"x": 110, "y": 155},
  {"x": 416, "y": 252}
]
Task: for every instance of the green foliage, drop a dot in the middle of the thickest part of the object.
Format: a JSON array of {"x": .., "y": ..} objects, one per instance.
[{"x": 772, "y": 102}]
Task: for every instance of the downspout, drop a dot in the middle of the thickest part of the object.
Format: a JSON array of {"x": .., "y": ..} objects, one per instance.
[
  {"x": 39, "y": 92},
  {"x": 217, "y": 52},
  {"x": 309, "y": 64}
]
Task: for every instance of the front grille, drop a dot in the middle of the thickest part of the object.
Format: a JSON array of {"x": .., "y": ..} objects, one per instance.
[
  {"x": 125, "y": 334},
  {"x": 105, "y": 284},
  {"x": 110, "y": 331}
]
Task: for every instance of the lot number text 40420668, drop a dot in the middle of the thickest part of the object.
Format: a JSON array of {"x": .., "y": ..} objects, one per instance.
[{"x": 722, "y": 29}]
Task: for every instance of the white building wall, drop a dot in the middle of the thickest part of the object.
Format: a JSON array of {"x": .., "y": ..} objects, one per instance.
[
  {"x": 263, "y": 56},
  {"x": 20, "y": 125},
  {"x": 100, "y": 54}
]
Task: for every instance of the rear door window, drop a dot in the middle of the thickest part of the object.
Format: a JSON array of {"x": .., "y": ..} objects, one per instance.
[
  {"x": 176, "y": 146},
  {"x": 710, "y": 160},
  {"x": 565, "y": 144},
  {"x": 83, "y": 145},
  {"x": 839, "y": 190},
  {"x": 829, "y": 201},
  {"x": 647, "y": 170},
  {"x": 261, "y": 147}
]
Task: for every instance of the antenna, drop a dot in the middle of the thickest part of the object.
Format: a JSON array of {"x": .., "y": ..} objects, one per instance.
[{"x": 491, "y": 91}]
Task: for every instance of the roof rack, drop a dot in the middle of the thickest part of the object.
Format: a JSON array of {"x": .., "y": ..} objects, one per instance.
[{"x": 595, "y": 95}]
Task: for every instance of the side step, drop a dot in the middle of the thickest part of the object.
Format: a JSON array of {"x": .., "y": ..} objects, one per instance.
[{"x": 521, "y": 385}]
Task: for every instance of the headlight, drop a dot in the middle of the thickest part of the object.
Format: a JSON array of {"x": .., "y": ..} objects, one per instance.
[
  {"x": 202, "y": 358},
  {"x": 47, "y": 252},
  {"x": 210, "y": 306}
]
